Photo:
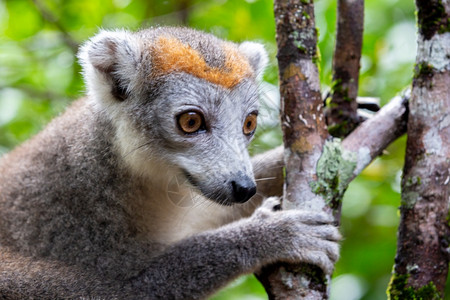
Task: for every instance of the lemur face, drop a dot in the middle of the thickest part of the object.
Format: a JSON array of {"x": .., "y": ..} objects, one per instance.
[
  {"x": 183, "y": 98},
  {"x": 205, "y": 130}
]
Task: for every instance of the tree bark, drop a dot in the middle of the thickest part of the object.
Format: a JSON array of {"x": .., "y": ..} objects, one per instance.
[
  {"x": 304, "y": 135},
  {"x": 421, "y": 263},
  {"x": 339, "y": 162},
  {"x": 341, "y": 112},
  {"x": 365, "y": 143},
  {"x": 318, "y": 169}
]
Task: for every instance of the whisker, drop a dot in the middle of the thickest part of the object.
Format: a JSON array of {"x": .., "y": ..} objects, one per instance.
[
  {"x": 137, "y": 148},
  {"x": 267, "y": 178}
]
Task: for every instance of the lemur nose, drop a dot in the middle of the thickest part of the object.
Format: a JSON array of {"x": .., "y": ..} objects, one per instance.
[{"x": 243, "y": 189}]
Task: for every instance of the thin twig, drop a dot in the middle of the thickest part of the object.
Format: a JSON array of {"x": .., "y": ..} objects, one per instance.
[
  {"x": 50, "y": 18},
  {"x": 341, "y": 112}
]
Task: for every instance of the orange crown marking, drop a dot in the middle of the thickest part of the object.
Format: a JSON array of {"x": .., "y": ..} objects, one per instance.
[{"x": 171, "y": 55}]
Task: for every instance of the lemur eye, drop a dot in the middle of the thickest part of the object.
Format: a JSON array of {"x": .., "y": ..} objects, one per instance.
[
  {"x": 190, "y": 122},
  {"x": 250, "y": 124}
]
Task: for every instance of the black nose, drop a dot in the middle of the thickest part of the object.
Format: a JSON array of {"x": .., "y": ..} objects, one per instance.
[{"x": 243, "y": 189}]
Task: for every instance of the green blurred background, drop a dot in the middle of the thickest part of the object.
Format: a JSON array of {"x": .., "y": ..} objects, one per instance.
[{"x": 39, "y": 76}]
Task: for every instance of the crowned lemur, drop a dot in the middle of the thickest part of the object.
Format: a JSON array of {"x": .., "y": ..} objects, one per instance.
[{"x": 138, "y": 190}]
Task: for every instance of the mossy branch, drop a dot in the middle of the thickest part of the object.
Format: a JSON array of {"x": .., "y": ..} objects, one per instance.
[
  {"x": 422, "y": 260},
  {"x": 341, "y": 111}
]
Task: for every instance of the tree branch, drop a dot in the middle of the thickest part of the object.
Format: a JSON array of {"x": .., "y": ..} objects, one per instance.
[
  {"x": 301, "y": 104},
  {"x": 304, "y": 134},
  {"x": 339, "y": 162},
  {"x": 317, "y": 171},
  {"x": 351, "y": 156},
  {"x": 374, "y": 135},
  {"x": 421, "y": 263},
  {"x": 366, "y": 142},
  {"x": 341, "y": 112}
]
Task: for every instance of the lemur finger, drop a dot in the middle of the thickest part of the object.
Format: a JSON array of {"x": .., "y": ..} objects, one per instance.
[
  {"x": 318, "y": 243},
  {"x": 319, "y": 259},
  {"x": 263, "y": 212},
  {"x": 332, "y": 249},
  {"x": 319, "y": 240},
  {"x": 327, "y": 232},
  {"x": 310, "y": 217},
  {"x": 272, "y": 203}
]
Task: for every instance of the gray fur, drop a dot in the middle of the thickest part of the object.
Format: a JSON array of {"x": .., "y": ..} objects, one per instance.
[{"x": 99, "y": 204}]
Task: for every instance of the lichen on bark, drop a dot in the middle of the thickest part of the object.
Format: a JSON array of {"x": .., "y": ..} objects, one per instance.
[
  {"x": 341, "y": 111},
  {"x": 335, "y": 169}
]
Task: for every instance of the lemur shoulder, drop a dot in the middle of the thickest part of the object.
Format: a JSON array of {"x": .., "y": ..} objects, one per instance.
[{"x": 138, "y": 190}]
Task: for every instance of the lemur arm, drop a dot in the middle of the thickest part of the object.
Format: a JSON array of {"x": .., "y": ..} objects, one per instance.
[
  {"x": 190, "y": 269},
  {"x": 199, "y": 265}
]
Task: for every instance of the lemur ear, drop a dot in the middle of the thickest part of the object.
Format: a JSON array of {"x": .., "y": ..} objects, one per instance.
[
  {"x": 111, "y": 56},
  {"x": 256, "y": 55}
]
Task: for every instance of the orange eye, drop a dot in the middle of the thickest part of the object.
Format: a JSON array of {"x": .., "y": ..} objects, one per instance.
[
  {"x": 190, "y": 122},
  {"x": 249, "y": 124}
]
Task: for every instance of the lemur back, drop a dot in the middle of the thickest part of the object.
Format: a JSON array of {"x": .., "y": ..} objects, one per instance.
[{"x": 132, "y": 187}]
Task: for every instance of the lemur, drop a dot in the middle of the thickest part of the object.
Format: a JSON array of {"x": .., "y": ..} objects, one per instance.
[{"x": 137, "y": 191}]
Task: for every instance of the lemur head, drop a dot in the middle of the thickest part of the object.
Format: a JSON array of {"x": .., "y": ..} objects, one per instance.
[{"x": 184, "y": 103}]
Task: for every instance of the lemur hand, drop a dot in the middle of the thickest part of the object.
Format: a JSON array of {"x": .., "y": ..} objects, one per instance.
[{"x": 297, "y": 235}]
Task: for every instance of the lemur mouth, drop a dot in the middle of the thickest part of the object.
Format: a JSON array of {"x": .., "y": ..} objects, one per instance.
[
  {"x": 239, "y": 190},
  {"x": 190, "y": 179},
  {"x": 216, "y": 196}
]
